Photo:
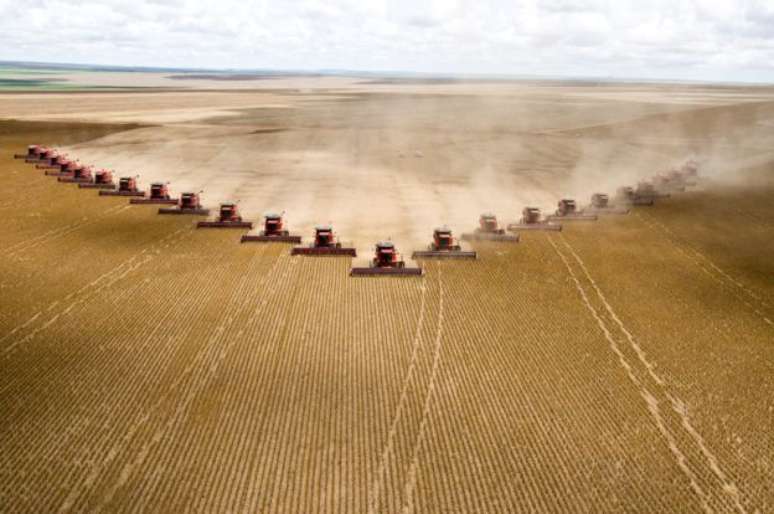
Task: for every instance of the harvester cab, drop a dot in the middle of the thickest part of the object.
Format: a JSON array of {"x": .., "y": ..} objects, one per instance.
[
  {"x": 159, "y": 191},
  {"x": 531, "y": 220},
  {"x": 273, "y": 231},
  {"x": 600, "y": 201},
  {"x": 386, "y": 261},
  {"x": 189, "y": 204},
  {"x": 487, "y": 222},
  {"x": 489, "y": 230},
  {"x": 228, "y": 217},
  {"x": 325, "y": 243},
  {"x": 443, "y": 245},
  {"x": 127, "y": 185},
  {"x": 567, "y": 209}
]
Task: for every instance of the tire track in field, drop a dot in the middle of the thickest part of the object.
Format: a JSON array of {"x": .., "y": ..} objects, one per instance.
[
  {"x": 699, "y": 259},
  {"x": 651, "y": 402},
  {"x": 243, "y": 302},
  {"x": 411, "y": 479},
  {"x": 376, "y": 486},
  {"x": 102, "y": 282},
  {"x": 678, "y": 404}
]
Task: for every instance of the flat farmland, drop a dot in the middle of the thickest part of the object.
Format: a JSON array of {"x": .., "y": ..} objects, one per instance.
[{"x": 616, "y": 366}]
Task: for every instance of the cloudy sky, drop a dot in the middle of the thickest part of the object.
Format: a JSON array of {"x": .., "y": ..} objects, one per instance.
[{"x": 682, "y": 39}]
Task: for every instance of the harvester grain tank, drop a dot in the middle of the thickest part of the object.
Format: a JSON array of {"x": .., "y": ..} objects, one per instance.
[
  {"x": 190, "y": 203},
  {"x": 443, "y": 246},
  {"x": 489, "y": 230},
  {"x": 228, "y": 217},
  {"x": 159, "y": 194},
  {"x": 600, "y": 204},
  {"x": 273, "y": 231},
  {"x": 626, "y": 195},
  {"x": 386, "y": 261},
  {"x": 568, "y": 210},
  {"x": 532, "y": 220},
  {"x": 127, "y": 186},
  {"x": 103, "y": 179},
  {"x": 325, "y": 243},
  {"x": 80, "y": 174}
]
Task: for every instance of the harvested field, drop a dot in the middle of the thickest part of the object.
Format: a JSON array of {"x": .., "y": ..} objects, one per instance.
[{"x": 621, "y": 365}]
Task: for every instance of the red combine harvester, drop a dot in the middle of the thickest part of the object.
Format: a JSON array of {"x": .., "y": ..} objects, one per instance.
[
  {"x": 568, "y": 210},
  {"x": 159, "y": 194},
  {"x": 227, "y": 218},
  {"x": 66, "y": 169},
  {"x": 42, "y": 156},
  {"x": 54, "y": 162},
  {"x": 81, "y": 174},
  {"x": 489, "y": 230},
  {"x": 325, "y": 243},
  {"x": 444, "y": 246},
  {"x": 531, "y": 220},
  {"x": 386, "y": 261},
  {"x": 127, "y": 186},
  {"x": 627, "y": 196},
  {"x": 33, "y": 153},
  {"x": 190, "y": 203},
  {"x": 600, "y": 204},
  {"x": 103, "y": 179},
  {"x": 273, "y": 232}
]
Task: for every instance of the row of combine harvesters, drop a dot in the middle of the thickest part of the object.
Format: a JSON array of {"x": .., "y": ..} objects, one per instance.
[{"x": 387, "y": 260}]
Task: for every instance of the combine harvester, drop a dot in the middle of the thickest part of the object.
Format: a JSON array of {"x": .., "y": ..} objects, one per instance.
[
  {"x": 159, "y": 195},
  {"x": 627, "y": 196},
  {"x": 600, "y": 204},
  {"x": 33, "y": 153},
  {"x": 325, "y": 243},
  {"x": 489, "y": 230},
  {"x": 80, "y": 174},
  {"x": 190, "y": 203},
  {"x": 42, "y": 157},
  {"x": 228, "y": 217},
  {"x": 444, "y": 246},
  {"x": 273, "y": 232},
  {"x": 67, "y": 169},
  {"x": 127, "y": 186},
  {"x": 568, "y": 210},
  {"x": 103, "y": 179},
  {"x": 531, "y": 220},
  {"x": 55, "y": 162},
  {"x": 386, "y": 261}
]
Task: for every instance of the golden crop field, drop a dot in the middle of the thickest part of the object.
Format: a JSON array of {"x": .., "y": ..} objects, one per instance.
[{"x": 617, "y": 366}]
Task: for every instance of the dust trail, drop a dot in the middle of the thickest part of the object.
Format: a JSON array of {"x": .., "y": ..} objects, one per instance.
[
  {"x": 714, "y": 277},
  {"x": 652, "y": 403},
  {"x": 678, "y": 405},
  {"x": 411, "y": 480},
  {"x": 373, "y": 500}
]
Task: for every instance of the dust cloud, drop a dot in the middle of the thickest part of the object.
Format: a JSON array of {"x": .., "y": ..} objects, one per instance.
[{"x": 396, "y": 165}]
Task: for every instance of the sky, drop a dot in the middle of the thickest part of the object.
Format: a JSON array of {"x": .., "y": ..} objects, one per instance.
[{"x": 715, "y": 40}]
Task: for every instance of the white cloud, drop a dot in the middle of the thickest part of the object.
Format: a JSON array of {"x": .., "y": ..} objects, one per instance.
[{"x": 687, "y": 39}]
